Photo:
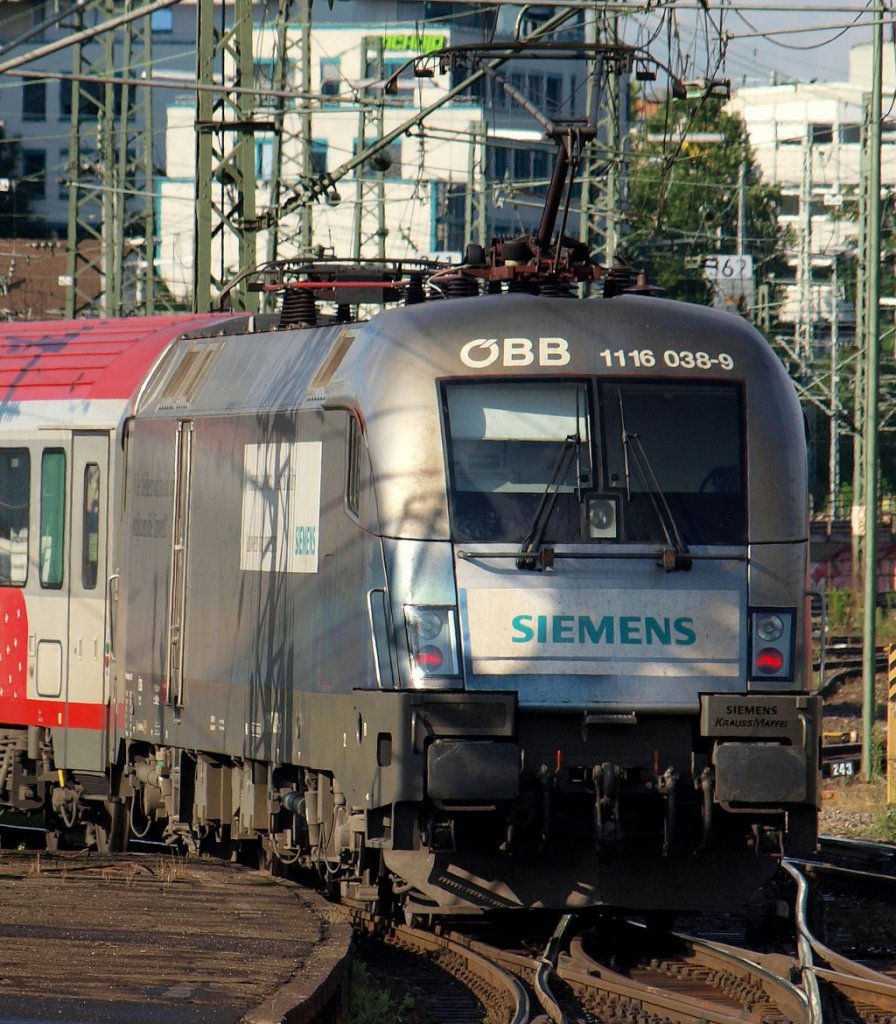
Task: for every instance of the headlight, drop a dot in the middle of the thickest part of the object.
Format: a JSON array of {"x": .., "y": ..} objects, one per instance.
[
  {"x": 432, "y": 643},
  {"x": 426, "y": 622},
  {"x": 603, "y": 517},
  {"x": 769, "y": 627}
]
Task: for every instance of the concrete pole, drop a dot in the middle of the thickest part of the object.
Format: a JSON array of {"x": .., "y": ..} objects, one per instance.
[
  {"x": 872, "y": 377},
  {"x": 857, "y": 513},
  {"x": 834, "y": 454}
]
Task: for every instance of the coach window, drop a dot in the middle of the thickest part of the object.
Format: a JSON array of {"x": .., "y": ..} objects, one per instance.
[
  {"x": 52, "y": 517},
  {"x": 15, "y": 488},
  {"x": 90, "y": 543}
]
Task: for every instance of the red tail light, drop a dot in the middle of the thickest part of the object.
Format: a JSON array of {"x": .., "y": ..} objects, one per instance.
[
  {"x": 769, "y": 660},
  {"x": 772, "y": 644},
  {"x": 429, "y": 659},
  {"x": 432, "y": 645}
]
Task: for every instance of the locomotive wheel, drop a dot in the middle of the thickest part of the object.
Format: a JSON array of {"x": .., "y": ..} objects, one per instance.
[
  {"x": 269, "y": 862},
  {"x": 112, "y": 832}
]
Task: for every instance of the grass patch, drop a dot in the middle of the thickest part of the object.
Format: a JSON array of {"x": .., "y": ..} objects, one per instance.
[
  {"x": 885, "y": 825},
  {"x": 371, "y": 1004},
  {"x": 845, "y": 615}
]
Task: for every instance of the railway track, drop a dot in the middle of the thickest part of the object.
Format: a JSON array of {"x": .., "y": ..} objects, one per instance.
[
  {"x": 685, "y": 979},
  {"x": 666, "y": 978},
  {"x": 840, "y": 661},
  {"x": 619, "y": 972},
  {"x": 501, "y": 995},
  {"x": 841, "y": 987},
  {"x": 860, "y": 855}
]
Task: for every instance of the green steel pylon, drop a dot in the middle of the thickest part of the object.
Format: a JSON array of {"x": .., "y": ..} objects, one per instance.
[
  {"x": 110, "y": 176},
  {"x": 224, "y": 247}
]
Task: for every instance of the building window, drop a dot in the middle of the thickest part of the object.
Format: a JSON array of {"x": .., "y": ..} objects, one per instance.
[
  {"x": 264, "y": 159},
  {"x": 34, "y": 173},
  {"x": 522, "y": 164},
  {"x": 535, "y": 89},
  {"x": 330, "y": 76},
  {"x": 52, "y": 518},
  {"x": 34, "y": 101},
  {"x": 92, "y": 99},
  {"x": 15, "y": 486},
  {"x": 789, "y": 206},
  {"x": 821, "y": 134},
  {"x": 553, "y": 85},
  {"x": 498, "y": 163},
  {"x": 264, "y": 72},
  {"x": 451, "y": 231},
  {"x": 792, "y": 135},
  {"x": 162, "y": 21},
  {"x": 850, "y": 134},
  {"x": 386, "y": 161},
  {"x": 405, "y": 81},
  {"x": 319, "y": 156}
]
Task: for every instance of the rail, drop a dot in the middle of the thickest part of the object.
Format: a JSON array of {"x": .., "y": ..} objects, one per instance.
[{"x": 872, "y": 994}]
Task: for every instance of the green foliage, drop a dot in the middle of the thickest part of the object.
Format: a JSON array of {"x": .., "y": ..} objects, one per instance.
[
  {"x": 372, "y": 1004},
  {"x": 684, "y": 198},
  {"x": 840, "y": 611},
  {"x": 845, "y": 616},
  {"x": 885, "y": 826}
]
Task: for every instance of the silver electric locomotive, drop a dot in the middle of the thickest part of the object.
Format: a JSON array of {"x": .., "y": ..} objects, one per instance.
[{"x": 487, "y": 602}]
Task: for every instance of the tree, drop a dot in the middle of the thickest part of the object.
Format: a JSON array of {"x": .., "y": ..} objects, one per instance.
[{"x": 683, "y": 185}]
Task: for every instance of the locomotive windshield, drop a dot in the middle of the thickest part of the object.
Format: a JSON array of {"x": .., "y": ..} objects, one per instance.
[{"x": 609, "y": 455}]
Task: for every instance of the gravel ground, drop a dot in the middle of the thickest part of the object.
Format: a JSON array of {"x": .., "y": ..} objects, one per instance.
[
  {"x": 857, "y": 810},
  {"x": 851, "y": 807}
]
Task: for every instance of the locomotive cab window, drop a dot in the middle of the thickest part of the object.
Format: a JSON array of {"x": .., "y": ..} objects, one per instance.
[
  {"x": 509, "y": 442},
  {"x": 15, "y": 485},
  {"x": 589, "y": 463},
  {"x": 678, "y": 442}
]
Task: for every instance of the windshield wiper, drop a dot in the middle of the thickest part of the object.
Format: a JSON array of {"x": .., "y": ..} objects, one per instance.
[
  {"x": 675, "y": 555},
  {"x": 531, "y": 555}
]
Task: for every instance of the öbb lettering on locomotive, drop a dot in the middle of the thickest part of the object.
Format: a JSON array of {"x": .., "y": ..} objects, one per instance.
[{"x": 490, "y": 602}]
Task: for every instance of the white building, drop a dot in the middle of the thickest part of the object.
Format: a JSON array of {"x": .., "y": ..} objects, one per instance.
[
  {"x": 806, "y": 139},
  {"x": 36, "y": 111},
  {"x": 432, "y": 175},
  {"x": 429, "y": 174}
]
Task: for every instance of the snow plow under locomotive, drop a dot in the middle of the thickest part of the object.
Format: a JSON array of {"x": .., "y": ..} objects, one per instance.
[{"x": 496, "y": 601}]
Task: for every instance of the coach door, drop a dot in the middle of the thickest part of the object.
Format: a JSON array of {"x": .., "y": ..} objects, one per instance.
[
  {"x": 67, "y": 607},
  {"x": 47, "y": 589},
  {"x": 86, "y": 679}
]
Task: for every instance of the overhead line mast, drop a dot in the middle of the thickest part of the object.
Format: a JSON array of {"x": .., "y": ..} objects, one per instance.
[
  {"x": 111, "y": 220},
  {"x": 225, "y": 159}
]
